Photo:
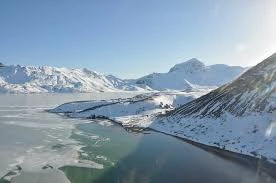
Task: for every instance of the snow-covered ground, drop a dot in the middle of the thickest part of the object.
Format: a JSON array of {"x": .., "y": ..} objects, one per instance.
[{"x": 136, "y": 111}]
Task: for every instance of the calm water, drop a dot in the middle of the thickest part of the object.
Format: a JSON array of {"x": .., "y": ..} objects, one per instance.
[{"x": 32, "y": 137}]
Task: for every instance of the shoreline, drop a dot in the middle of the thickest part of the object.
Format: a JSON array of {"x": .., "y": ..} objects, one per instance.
[{"x": 254, "y": 163}]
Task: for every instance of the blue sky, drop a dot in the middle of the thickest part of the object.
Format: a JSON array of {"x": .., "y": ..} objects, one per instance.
[{"x": 130, "y": 38}]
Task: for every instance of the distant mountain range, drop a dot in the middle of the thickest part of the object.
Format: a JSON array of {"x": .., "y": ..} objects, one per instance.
[
  {"x": 28, "y": 79},
  {"x": 189, "y": 75}
]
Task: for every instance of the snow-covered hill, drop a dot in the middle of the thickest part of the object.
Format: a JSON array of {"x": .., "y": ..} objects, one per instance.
[
  {"x": 191, "y": 74},
  {"x": 130, "y": 112},
  {"x": 254, "y": 91},
  {"x": 239, "y": 116},
  {"x": 28, "y": 79}
]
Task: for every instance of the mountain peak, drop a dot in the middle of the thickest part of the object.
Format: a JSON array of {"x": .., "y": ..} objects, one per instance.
[
  {"x": 253, "y": 91},
  {"x": 190, "y": 65},
  {"x": 193, "y": 60}
]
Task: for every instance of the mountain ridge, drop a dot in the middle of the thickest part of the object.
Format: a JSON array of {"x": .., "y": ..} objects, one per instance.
[
  {"x": 32, "y": 79},
  {"x": 40, "y": 79},
  {"x": 239, "y": 116},
  {"x": 253, "y": 90}
]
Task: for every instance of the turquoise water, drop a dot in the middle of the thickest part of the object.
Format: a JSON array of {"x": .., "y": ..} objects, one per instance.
[{"x": 154, "y": 157}]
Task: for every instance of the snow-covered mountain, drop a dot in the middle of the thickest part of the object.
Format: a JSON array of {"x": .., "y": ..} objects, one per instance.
[
  {"x": 187, "y": 76},
  {"x": 239, "y": 116},
  {"x": 191, "y": 74},
  {"x": 253, "y": 91},
  {"x": 29, "y": 79}
]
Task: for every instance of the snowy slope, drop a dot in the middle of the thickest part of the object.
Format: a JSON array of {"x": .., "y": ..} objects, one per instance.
[
  {"x": 191, "y": 74},
  {"x": 28, "y": 79},
  {"x": 130, "y": 111},
  {"x": 253, "y": 91},
  {"x": 239, "y": 116}
]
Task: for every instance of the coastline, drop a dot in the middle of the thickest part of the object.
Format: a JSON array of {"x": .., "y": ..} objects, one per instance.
[{"x": 255, "y": 163}]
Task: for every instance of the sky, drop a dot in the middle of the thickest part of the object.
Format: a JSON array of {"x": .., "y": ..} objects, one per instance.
[{"x": 131, "y": 38}]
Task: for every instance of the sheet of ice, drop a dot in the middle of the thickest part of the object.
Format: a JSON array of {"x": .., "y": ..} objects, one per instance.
[
  {"x": 42, "y": 176},
  {"x": 32, "y": 138},
  {"x": 33, "y": 144}
]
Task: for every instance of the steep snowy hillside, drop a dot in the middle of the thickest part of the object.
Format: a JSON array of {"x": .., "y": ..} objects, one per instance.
[
  {"x": 191, "y": 74},
  {"x": 254, "y": 91},
  {"x": 28, "y": 79},
  {"x": 239, "y": 116}
]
